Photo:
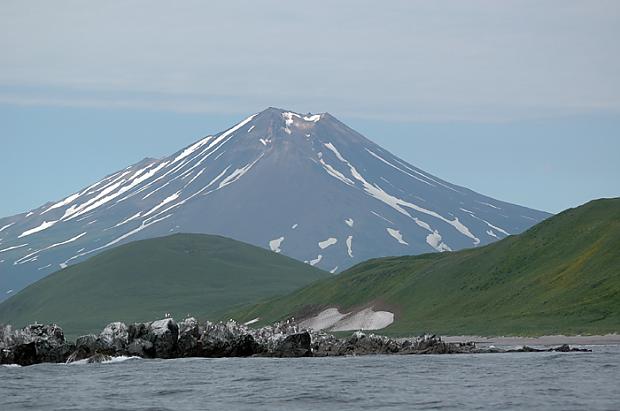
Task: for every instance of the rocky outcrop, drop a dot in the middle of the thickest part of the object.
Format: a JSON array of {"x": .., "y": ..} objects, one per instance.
[
  {"x": 562, "y": 348},
  {"x": 294, "y": 345},
  {"x": 34, "y": 344},
  {"x": 114, "y": 337},
  {"x": 189, "y": 338},
  {"x": 157, "y": 339}
]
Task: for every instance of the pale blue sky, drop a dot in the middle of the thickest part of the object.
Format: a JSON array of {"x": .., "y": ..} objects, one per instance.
[{"x": 519, "y": 100}]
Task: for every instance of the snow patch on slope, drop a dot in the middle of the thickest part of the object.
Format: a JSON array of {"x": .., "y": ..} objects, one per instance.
[
  {"x": 13, "y": 247},
  {"x": 378, "y": 157},
  {"x": 488, "y": 205},
  {"x": 316, "y": 260},
  {"x": 275, "y": 244},
  {"x": 326, "y": 243},
  {"x": 44, "y": 226},
  {"x": 323, "y": 320},
  {"x": 133, "y": 217},
  {"x": 64, "y": 202},
  {"x": 314, "y": 118},
  {"x": 350, "y": 246},
  {"x": 163, "y": 203},
  {"x": 367, "y": 319},
  {"x": 333, "y": 320},
  {"x": 397, "y": 235},
  {"x": 434, "y": 240},
  {"x": 494, "y": 227},
  {"x": 189, "y": 150},
  {"x": 238, "y": 173}
]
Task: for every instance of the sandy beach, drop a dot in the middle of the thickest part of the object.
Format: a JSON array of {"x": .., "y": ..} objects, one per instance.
[{"x": 543, "y": 340}]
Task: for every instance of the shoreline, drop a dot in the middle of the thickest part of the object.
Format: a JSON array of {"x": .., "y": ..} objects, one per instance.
[{"x": 545, "y": 340}]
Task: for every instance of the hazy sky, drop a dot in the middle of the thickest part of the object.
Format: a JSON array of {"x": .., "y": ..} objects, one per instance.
[{"x": 517, "y": 99}]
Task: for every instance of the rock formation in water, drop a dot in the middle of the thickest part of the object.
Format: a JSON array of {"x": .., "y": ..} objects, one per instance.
[{"x": 165, "y": 338}]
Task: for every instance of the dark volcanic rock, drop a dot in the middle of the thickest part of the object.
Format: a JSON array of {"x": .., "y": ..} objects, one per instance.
[
  {"x": 157, "y": 339},
  {"x": 114, "y": 338},
  {"x": 362, "y": 344},
  {"x": 88, "y": 343},
  {"x": 167, "y": 339},
  {"x": 34, "y": 344},
  {"x": 296, "y": 345},
  {"x": 562, "y": 348},
  {"x": 227, "y": 340},
  {"x": 141, "y": 348},
  {"x": 189, "y": 344},
  {"x": 431, "y": 344},
  {"x": 85, "y": 346},
  {"x": 163, "y": 334}
]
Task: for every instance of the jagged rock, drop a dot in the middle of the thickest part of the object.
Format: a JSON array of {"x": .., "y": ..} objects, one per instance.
[
  {"x": 85, "y": 346},
  {"x": 296, "y": 345},
  {"x": 87, "y": 342},
  {"x": 166, "y": 339},
  {"x": 141, "y": 348},
  {"x": 34, "y": 344},
  {"x": 227, "y": 340},
  {"x": 189, "y": 344},
  {"x": 431, "y": 344},
  {"x": 137, "y": 331},
  {"x": 562, "y": 348},
  {"x": 566, "y": 348},
  {"x": 164, "y": 334},
  {"x": 189, "y": 324},
  {"x": 362, "y": 344},
  {"x": 325, "y": 345},
  {"x": 114, "y": 338}
]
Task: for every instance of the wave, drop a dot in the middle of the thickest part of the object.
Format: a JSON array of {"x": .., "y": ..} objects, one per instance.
[{"x": 112, "y": 360}]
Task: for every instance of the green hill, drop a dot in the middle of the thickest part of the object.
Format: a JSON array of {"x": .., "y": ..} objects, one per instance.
[
  {"x": 202, "y": 275},
  {"x": 561, "y": 276}
]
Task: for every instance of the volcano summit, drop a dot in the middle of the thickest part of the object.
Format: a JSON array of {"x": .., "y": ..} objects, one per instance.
[{"x": 304, "y": 185}]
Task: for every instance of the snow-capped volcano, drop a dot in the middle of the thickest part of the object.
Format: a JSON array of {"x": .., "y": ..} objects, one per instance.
[{"x": 304, "y": 185}]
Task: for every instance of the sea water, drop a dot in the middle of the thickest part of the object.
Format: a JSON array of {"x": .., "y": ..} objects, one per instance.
[{"x": 549, "y": 381}]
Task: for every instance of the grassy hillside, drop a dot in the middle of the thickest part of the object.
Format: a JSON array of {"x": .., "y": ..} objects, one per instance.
[
  {"x": 202, "y": 275},
  {"x": 561, "y": 276}
]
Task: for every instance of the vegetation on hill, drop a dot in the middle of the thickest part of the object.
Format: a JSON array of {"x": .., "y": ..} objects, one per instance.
[
  {"x": 561, "y": 276},
  {"x": 201, "y": 275}
]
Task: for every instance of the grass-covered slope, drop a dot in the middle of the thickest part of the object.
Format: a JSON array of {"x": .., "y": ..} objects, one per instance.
[
  {"x": 202, "y": 275},
  {"x": 561, "y": 276}
]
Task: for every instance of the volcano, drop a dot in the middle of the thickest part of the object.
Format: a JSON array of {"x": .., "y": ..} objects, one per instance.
[{"x": 304, "y": 185}]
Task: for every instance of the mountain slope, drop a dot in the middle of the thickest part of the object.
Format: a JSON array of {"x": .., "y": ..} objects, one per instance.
[
  {"x": 202, "y": 275},
  {"x": 561, "y": 276},
  {"x": 307, "y": 186}
]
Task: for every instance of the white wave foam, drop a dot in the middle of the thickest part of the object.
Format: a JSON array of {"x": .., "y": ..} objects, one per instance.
[{"x": 113, "y": 360}]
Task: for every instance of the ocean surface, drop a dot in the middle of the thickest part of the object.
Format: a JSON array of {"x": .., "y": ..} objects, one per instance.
[{"x": 549, "y": 381}]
